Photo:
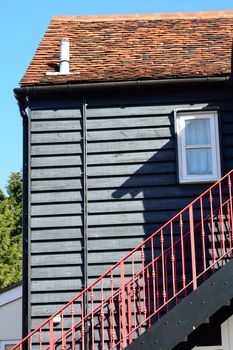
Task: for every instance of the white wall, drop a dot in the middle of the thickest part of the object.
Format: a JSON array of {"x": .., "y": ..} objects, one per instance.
[
  {"x": 227, "y": 337},
  {"x": 11, "y": 320},
  {"x": 10, "y": 316},
  {"x": 227, "y": 334}
]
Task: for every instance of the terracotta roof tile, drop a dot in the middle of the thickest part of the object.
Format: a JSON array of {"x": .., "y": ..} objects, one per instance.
[{"x": 130, "y": 47}]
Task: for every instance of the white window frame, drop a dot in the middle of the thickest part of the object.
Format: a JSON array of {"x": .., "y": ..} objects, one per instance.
[
  {"x": 181, "y": 117},
  {"x": 213, "y": 347},
  {"x": 3, "y": 343}
]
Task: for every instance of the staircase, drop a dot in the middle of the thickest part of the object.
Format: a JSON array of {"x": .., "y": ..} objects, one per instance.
[{"x": 167, "y": 277}]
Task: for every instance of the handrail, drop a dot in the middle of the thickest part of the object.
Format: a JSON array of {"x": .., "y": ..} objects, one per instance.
[{"x": 149, "y": 280}]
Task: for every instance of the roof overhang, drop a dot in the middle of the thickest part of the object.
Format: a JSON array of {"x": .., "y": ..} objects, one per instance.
[
  {"x": 10, "y": 294},
  {"x": 22, "y": 94}
]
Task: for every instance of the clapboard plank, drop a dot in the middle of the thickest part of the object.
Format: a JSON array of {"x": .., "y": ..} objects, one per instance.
[
  {"x": 56, "y": 149},
  {"x": 124, "y": 123},
  {"x": 48, "y": 125},
  {"x": 68, "y": 172},
  {"x": 131, "y": 157},
  {"x": 121, "y": 230},
  {"x": 56, "y": 209},
  {"x": 55, "y": 285},
  {"x": 146, "y": 192},
  {"x": 56, "y": 259},
  {"x": 51, "y": 297},
  {"x": 56, "y": 234},
  {"x": 138, "y": 205},
  {"x": 110, "y": 257},
  {"x": 57, "y": 272},
  {"x": 60, "y": 221},
  {"x": 52, "y": 185},
  {"x": 106, "y": 244},
  {"x": 140, "y": 110},
  {"x": 48, "y": 310},
  {"x": 56, "y": 114},
  {"x": 129, "y": 218},
  {"x": 130, "y": 169},
  {"x": 55, "y": 137},
  {"x": 56, "y": 161},
  {"x": 54, "y": 197},
  {"x": 64, "y": 246},
  {"x": 104, "y": 170},
  {"x": 128, "y": 134},
  {"x": 121, "y": 146},
  {"x": 132, "y": 181}
]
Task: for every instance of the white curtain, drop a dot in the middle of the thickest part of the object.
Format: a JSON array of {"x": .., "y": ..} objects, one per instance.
[{"x": 198, "y": 158}]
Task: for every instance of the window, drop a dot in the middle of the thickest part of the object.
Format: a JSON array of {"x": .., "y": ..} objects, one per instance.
[
  {"x": 8, "y": 344},
  {"x": 198, "y": 146}
]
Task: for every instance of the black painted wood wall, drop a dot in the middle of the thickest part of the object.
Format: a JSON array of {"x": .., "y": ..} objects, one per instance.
[{"x": 131, "y": 177}]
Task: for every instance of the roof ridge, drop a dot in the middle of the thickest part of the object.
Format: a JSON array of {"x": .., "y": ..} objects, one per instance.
[{"x": 155, "y": 16}]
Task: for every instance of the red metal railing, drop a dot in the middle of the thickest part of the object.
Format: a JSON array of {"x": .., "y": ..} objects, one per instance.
[{"x": 149, "y": 281}]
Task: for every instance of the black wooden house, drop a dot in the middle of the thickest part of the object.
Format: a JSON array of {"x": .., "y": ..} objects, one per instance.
[{"x": 127, "y": 119}]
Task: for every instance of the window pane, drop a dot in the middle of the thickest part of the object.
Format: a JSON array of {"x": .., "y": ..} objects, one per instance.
[
  {"x": 197, "y": 132},
  {"x": 199, "y": 161},
  {"x": 9, "y": 346}
]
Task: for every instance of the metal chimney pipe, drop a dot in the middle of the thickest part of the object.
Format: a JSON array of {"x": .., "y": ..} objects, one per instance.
[{"x": 65, "y": 56}]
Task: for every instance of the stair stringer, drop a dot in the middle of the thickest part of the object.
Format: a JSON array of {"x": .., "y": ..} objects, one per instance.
[{"x": 189, "y": 314}]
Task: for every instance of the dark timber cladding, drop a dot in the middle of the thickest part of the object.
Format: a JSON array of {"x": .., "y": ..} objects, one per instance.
[
  {"x": 131, "y": 186},
  {"x": 56, "y": 209}
]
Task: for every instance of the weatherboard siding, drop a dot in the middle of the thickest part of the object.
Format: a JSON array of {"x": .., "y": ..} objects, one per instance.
[
  {"x": 132, "y": 187},
  {"x": 56, "y": 192}
]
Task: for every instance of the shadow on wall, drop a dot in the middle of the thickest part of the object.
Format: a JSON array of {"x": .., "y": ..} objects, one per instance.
[{"x": 153, "y": 190}]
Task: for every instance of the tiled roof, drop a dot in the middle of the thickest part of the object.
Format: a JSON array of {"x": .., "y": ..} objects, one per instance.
[{"x": 132, "y": 47}]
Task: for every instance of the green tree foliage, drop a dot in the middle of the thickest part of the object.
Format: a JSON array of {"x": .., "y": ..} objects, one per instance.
[{"x": 11, "y": 232}]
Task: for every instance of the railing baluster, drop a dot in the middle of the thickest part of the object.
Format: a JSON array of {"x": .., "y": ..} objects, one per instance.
[
  {"x": 143, "y": 282},
  {"x": 140, "y": 308},
  {"x": 229, "y": 225},
  {"x": 148, "y": 295},
  {"x": 193, "y": 248},
  {"x": 173, "y": 260},
  {"x": 203, "y": 236},
  {"x": 129, "y": 312},
  {"x": 51, "y": 335},
  {"x": 231, "y": 210},
  {"x": 111, "y": 312},
  {"x": 102, "y": 316},
  {"x": 63, "y": 345},
  {"x": 182, "y": 253},
  {"x": 157, "y": 287},
  {"x": 73, "y": 337},
  {"x": 134, "y": 293},
  {"x": 163, "y": 268},
  {"x": 118, "y": 331},
  {"x": 166, "y": 281},
  {"x": 83, "y": 324},
  {"x": 212, "y": 229},
  {"x": 123, "y": 305},
  {"x": 153, "y": 276},
  {"x": 40, "y": 339},
  {"x": 92, "y": 320},
  {"x": 221, "y": 219}
]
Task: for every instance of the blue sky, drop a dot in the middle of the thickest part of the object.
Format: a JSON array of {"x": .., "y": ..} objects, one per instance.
[{"x": 22, "y": 25}]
